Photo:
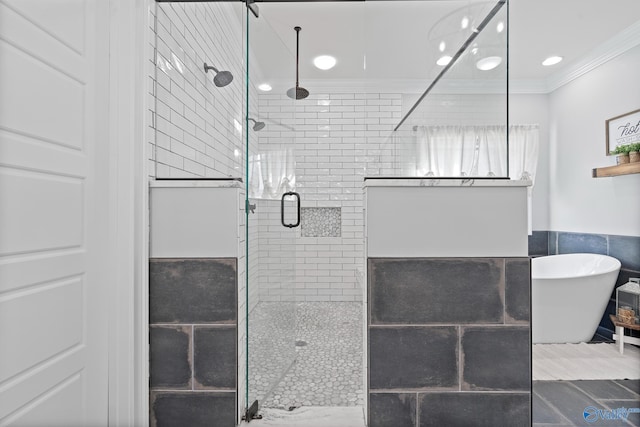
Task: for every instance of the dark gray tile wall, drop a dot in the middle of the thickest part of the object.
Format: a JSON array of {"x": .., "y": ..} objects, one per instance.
[
  {"x": 392, "y": 409},
  {"x": 192, "y": 291},
  {"x": 517, "y": 290},
  {"x": 193, "y": 342},
  {"x": 474, "y": 409},
  {"x": 553, "y": 243},
  {"x": 454, "y": 290},
  {"x": 201, "y": 409},
  {"x": 496, "y": 358},
  {"x": 400, "y": 353},
  {"x": 624, "y": 248},
  {"x": 449, "y": 341},
  {"x": 170, "y": 357},
  {"x": 214, "y": 356},
  {"x": 539, "y": 243},
  {"x": 568, "y": 243},
  {"x": 627, "y": 250}
]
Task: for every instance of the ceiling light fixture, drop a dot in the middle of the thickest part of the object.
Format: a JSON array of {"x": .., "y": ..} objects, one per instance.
[
  {"x": 552, "y": 60},
  {"x": 324, "y": 62},
  {"x": 442, "y": 46},
  {"x": 265, "y": 87},
  {"x": 500, "y": 27},
  {"x": 444, "y": 60},
  {"x": 488, "y": 63},
  {"x": 464, "y": 23}
]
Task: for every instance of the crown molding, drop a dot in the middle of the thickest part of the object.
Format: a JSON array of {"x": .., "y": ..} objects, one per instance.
[
  {"x": 601, "y": 54},
  {"x": 528, "y": 86}
]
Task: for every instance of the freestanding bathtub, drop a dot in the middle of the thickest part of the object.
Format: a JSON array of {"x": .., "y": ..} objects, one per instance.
[{"x": 569, "y": 294}]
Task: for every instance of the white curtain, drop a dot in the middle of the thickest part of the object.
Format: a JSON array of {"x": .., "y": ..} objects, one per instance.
[
  {"x": 272, "y": 173},
  {"x": 524, "y": 147},
  {"x": 477, "y": 151}
]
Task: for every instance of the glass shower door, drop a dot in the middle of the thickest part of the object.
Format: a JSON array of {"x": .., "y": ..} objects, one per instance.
[
  {"x": 272, "y": 217},
  {"x": 305, "y": 300}
]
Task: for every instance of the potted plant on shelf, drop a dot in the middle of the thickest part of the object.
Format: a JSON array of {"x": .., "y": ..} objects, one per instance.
[
  {"x": 634, "y": 152},
  {"x": 622, "y": 152}
]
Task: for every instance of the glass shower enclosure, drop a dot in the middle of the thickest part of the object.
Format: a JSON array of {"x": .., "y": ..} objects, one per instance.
[
  {"x": 437, "y": 108},
  {"x": 419, "y": 90}
]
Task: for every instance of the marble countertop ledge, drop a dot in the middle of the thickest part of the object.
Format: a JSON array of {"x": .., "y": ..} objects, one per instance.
[
  {"x": 443, "y": 182},
  {"x": 197, "y": 183}
]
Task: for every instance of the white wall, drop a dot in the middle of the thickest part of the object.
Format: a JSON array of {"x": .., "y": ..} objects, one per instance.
[{"x": 577, "y": 114}]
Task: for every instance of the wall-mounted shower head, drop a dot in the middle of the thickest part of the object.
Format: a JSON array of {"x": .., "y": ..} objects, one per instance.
[
  {"x": 222, "y": 78},
  {"x": 256, "y": 124}
]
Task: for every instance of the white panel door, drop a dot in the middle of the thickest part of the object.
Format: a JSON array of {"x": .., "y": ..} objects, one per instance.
[{"x": 53, "y": 212}]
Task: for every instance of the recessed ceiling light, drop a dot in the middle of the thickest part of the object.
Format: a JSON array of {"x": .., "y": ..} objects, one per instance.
[
  {"x": 488, "y": 63},
  {"x": 464, "y": 23},
  {"x": 265, "y": 87},
  {"x": 442, "y": 46},
  {"x": 444, "y": 60},
  {"x": 552, "y": 60},
  {"x": 324, "y": 62},
  {"x": 500, "y": 27}
]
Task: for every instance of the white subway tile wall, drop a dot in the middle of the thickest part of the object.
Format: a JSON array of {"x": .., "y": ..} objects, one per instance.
[
  {"x": 199, "y": 127},
  {"x": 337, "y": 140}
]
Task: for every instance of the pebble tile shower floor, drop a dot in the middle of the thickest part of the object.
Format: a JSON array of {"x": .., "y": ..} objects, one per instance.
[{"x": 306, "y": 354}]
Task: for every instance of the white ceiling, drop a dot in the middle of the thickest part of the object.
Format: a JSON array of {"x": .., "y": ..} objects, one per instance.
[{"x": 393, "y": 38}]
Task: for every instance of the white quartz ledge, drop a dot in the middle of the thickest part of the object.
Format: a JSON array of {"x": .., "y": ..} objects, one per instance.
[
  {"x": 196, "y": 183},
  {"x": 435, "y": 182}
]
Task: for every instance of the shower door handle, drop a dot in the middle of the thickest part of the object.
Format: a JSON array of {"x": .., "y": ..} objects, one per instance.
[{"x": 297, "y": 196}]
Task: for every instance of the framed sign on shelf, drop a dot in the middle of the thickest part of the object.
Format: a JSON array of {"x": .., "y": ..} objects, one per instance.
[{"x": 623, "y": 130}]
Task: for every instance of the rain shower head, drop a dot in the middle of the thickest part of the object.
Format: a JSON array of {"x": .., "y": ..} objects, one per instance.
[
  {"x": 297, "y": 92},
  {"x": 257, "y": 125},
  {"x": 222, "y": 78}
]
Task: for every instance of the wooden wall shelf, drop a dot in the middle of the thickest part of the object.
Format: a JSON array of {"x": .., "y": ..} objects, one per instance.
[{"x": 623, "y": 169}]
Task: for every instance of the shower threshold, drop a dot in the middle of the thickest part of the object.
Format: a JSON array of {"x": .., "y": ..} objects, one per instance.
[{"x": 312, "y": 416}]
